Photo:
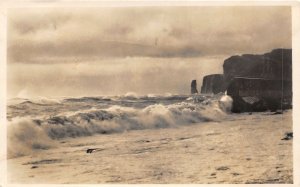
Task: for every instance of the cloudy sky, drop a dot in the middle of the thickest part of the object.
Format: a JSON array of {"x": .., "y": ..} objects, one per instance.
[{"x": 115, "y": 50}]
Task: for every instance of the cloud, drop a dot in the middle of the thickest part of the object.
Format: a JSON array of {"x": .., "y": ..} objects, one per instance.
[
  {"x": 141, "y": 75},
  {"x": 56, "y": 35}
]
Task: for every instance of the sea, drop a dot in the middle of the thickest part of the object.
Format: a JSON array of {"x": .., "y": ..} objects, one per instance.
[{"x": 37, "y": 123}]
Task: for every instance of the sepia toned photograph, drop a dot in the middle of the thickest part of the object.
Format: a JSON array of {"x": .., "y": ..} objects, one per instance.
[{"x": 149, "y": 95}]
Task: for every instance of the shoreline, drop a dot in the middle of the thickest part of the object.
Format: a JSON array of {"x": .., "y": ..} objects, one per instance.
[{"x": 243, "y": 149}]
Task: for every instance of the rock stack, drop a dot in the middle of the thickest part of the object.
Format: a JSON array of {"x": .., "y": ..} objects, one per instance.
[{"x": 194, "y": 87}]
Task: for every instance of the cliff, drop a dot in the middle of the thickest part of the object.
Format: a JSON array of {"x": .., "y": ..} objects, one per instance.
[
  {"x": 248, "y": 78},
  {"x": 266, "y": 77},
  {"x": 258, "y": 94},
  {"x": 212, "y": 84},
  {"x": 276, "y": 65}
]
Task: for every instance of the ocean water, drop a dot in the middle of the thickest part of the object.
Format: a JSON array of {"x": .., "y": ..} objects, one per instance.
[{"x": 37, "y": 124}]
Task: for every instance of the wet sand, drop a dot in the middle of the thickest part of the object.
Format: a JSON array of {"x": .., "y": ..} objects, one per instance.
[{"x": 243, "y": 149}]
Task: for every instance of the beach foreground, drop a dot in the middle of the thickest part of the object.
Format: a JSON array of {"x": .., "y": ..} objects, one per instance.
[{"x": 245, "y": 149}]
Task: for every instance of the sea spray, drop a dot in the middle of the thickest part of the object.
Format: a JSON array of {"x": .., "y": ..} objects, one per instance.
[
  {"x": 225, "y": 103},
  {"x": 72, "y": 118},
  {"x": 25, "y": 135}
]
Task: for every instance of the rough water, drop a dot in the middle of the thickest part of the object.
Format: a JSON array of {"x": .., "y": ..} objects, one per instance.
[
  {"x": 37, "y": 123},
  {"x": 145, "y": 139}
]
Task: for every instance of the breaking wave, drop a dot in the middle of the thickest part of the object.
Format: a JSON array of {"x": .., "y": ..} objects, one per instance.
[
  {"x": 35, "y": 132},
  {"x": 24, "y": 136}
]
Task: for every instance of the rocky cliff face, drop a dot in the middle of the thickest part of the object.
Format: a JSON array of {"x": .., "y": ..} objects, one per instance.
[
  {"x": 212, "y": 84},
  {"x": 245, "y": 71},
  {"x": 267, "y": 77},
  {"x": 276, "y": 65},
  {"x": 194, "y": 87}
]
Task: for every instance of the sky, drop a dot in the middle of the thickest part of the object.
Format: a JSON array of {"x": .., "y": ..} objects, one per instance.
[{"x": 84, "y": 51}]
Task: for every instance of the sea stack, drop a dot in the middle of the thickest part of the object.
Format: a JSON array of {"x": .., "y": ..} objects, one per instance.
[{"x": 194, "y": 87}]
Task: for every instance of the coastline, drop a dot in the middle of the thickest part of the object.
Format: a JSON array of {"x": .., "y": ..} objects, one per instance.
[{"x": 243, "y": 149}]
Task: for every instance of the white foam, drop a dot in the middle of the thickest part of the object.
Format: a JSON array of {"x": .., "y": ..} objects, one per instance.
[
  {"x": 25, "y": 134},
  {"x": 131, "y": 95},
  {"x": 226, "y": 103}
]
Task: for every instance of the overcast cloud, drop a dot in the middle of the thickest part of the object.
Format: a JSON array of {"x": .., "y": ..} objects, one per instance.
[
  {"x": 59, "y": 34},
  {"x": 155, "y": 49}
]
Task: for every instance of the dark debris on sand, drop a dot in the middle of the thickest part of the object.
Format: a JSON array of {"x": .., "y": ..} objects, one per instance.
[{"x": 288, "y": 136}]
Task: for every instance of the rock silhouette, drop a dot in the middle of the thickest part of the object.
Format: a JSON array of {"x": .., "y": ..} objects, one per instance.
[
  {"x": 212, "y": 84},
  {"x": 194, "y": 87},
  {"x": 255, "y": 82}
]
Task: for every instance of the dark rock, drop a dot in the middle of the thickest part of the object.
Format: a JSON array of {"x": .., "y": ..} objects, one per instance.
[
  {"x": 90, "y": 150},
  {"x": 255, "y": 82},
  {"x": 288, "y": 136},
  {"x": 213, "y": 84},
  {"x": 194, "y": 87},
  {"x": 274, "y": 65},
  {"x": 257, "y": 94},
  {"x": 260, "y": 82},
  {"x": 222, "y": 168},
  {"x": 94, "y": 150}
]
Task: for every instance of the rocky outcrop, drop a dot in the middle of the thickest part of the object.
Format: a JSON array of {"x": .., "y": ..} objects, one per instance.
[
  {"x": 259, "y": 94},
  {"x": 255, "y": 82},
  {"x": 267, "y": 77},
  {"x": 194, "y": 87},
  {"x": 276, "y": 65},
  {"x": 212, "y": 84}
]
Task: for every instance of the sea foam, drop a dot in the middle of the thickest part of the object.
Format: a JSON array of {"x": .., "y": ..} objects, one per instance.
[{"x": 36, "y": 132}]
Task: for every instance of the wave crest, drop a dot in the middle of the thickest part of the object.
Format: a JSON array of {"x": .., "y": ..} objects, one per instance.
[
  {"x": 24, "y": 135},
  {"x": 36, "y": 133}
]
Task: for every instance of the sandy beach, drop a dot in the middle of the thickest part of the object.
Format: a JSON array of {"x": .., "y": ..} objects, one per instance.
[
  {"x": 149, "y": 93},
  {"x": 243, "y": 149}
]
